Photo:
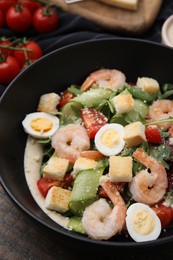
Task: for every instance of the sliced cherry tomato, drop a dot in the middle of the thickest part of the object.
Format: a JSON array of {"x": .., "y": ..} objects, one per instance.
[
  {"x": 153, "y": 134},
  {"x": 91, "y": 154},
  {"x": 65, "y": 97},
  {"x": 6, "y": 42},
  {"x": 32, "y": 5},
  {"x": 93, "y": 120},
  {"x": 45, "y": 20},
  {"x": 1, "y": 19},
  {"x": 9, "y": 69},
  {"x": 165, "y": 213},
  {"x": 67, "y": 181},
  {"x": 34, "y": 53},
  {"x": 18, "y": 18},
  {"x": 6, "y": 4},
  {"x": 44, "y": 185}
]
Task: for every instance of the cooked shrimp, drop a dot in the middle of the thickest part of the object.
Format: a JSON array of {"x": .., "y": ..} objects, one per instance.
[
  {"x": 105, "y": 78},
  {"x": 161, "y": 109},
  {"x": 69, "y": 141},
  {"x": 99, "y": 220},
  {"x": 145, "y": 187}
]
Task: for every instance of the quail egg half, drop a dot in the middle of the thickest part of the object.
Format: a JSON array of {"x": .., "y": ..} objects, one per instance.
[
  {"x": 142, "y": 223},
  {"x": 40, "y": 124},
  {"x": 109, "y": 139}
]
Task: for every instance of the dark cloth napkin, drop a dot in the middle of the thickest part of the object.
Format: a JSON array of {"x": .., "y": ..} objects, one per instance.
[{"x": 73, "y": 29}]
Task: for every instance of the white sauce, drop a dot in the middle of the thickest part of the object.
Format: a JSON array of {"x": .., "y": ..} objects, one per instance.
[{"x": 32, "y": 163}]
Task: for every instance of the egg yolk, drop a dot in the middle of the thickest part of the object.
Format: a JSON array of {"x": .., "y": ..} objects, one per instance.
[
  {"x": 143, "y": 222},
  {"x": 110, "y": 138},
  {"x": 41, "y": 125}
]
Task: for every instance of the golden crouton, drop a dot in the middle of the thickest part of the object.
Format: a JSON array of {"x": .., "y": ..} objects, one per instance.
[
  {"x": 55, "y": 168},
  {"x": 57, "y": 199},
  {"x": 120, "y": 169},
  {"x": 148, "y": 85},
  {"x": 83, "y": 164},
  {"x": 134, "y": 134},
  {"x": 123, "y": 103}
]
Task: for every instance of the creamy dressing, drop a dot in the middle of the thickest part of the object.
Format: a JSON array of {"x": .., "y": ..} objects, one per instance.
[{"x": 32, "y": 163}]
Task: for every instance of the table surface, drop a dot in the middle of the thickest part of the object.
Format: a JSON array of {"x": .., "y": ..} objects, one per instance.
[{"x": 20, "y": 238}]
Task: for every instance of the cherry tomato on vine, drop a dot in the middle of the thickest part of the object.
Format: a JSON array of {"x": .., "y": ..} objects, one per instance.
[
  {"x": 34, "y": 53},
  {"x": 5, "y": 42},
  {"x": 1, "y": 19},
  {"x": 45, "y": 19},
  {"x": 6, "y": 4},
  {"x": 32, "y": 5},
  {"x": 9, "y": 69},
  {"x": 18, "y": 18}
]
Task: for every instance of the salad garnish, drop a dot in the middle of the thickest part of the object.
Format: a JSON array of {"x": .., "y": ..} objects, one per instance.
[{"x": 108, "y": 155}]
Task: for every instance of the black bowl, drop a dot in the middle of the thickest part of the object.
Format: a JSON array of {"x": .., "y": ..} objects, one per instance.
[{"x": 55, "y": 72}]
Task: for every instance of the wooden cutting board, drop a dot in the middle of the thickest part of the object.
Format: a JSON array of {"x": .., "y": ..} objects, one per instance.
[{"x": 114, "y": 18}]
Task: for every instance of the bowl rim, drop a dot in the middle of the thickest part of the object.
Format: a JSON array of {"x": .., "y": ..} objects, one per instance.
[
  {"x": 71, "y": 45},
  {"x": 61, "y": 230},
  {"x": 165, "y": 38}
]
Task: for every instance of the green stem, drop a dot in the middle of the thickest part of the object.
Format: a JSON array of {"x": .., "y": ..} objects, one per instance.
[
  {"x": 166, "y": 120},
  {"x": 8, "y": 47}
]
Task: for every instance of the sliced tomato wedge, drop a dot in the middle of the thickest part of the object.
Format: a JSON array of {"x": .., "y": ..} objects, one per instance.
[
  {"x": 153, "y": 134},
  {"x": 65, "y": 97},
  {"x": 93, "y": 120},
  {"x": 165, "y": 213},
  {"x": 44, "y": 185}
]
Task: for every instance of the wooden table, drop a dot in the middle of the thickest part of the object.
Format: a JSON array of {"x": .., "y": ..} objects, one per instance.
[{"x": 21, "y": 238}]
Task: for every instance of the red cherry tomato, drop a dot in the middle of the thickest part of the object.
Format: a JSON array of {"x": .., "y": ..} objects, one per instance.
[
  {"x": 32, "y": 5},
  {"x": 44, "y": 185},
  {"x": 9, "y": 69},
  {"x": 34, "y": 53},
  {"x": 65, "y": 97},
  {"x": 93, "y": 120},
  {"x": 1, "y": 19},
  {"x": 153, "y": 134},
  {"x": 45, "y": 20},
  {"x": 18, "y": 18},
  {"x": 165, "y": 213},
  {"x": 6, "y": 42},
  {"x": 6, "y": 4}
]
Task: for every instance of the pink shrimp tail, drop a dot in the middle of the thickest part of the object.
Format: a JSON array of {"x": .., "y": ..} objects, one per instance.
[{"x": 112, "y": 192}]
